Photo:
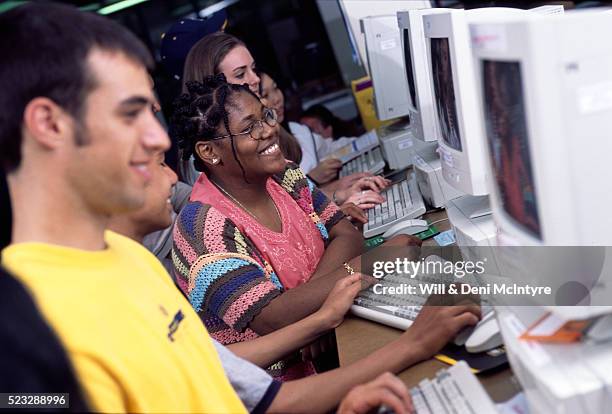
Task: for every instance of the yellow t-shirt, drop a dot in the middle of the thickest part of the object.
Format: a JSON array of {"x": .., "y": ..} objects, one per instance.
[{"x": 135, "y": 342}]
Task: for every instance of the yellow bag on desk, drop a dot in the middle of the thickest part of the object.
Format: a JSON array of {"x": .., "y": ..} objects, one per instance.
[{"x": 364, "y": 97}]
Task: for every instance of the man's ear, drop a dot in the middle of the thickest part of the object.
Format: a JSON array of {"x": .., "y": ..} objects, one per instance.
[
  {"x": 46, "y": 122},
  {"x": 207, "y": 152}
]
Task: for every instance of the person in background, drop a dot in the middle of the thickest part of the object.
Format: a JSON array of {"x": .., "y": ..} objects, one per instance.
[
  {"x": 77, "y": 136},
  {"x": 314, "y": 146},
  {"x": 151, "y": 225},
  {"x": 323, "y": 122},
  {"x": 364, "y": 192}
]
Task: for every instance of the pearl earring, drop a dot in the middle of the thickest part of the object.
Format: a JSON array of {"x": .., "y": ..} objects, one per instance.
[{"x": 215, "y": 160}]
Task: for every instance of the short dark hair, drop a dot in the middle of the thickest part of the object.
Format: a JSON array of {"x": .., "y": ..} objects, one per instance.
[
  {"x": 340, "y": 127},
  {"x": 44, "y": 49},
  {"x": 322, "y": 114},
  {"x": 205, "y": 56}
]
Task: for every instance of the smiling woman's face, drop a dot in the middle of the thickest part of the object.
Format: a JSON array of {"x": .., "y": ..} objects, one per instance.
[
  {"x": 238, "y": 66},
  {"x": 259, "y": 158}
]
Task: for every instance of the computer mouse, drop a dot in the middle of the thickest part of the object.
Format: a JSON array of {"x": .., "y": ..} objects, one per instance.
[
  {"x": 465, "y": 333},
  {"x": 486, "y": 336},
  {"x": 411, "y": 226}
]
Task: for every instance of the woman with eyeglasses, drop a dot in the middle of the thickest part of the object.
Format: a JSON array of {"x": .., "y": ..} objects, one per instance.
[
  {"x": 223, "y": 53},
  {"x": 259, "y": 246}
]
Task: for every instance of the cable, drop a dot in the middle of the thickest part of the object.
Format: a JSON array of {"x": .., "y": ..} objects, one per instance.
[{"x": 438, "y": 221}]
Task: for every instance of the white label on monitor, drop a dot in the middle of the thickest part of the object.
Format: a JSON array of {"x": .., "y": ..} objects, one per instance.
[
  {"x": 388, "y": 44},
  {"x": 488, "y": 37},
  {"x": 595, "y": 98},
  {"x": 405, "y": 143}
]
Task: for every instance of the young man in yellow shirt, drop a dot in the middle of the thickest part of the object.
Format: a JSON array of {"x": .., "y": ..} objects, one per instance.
[{"x": 77, "y": 135}]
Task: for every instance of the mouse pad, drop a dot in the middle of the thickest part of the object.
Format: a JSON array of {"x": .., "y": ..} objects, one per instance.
[{"x": 480, "y": 363}]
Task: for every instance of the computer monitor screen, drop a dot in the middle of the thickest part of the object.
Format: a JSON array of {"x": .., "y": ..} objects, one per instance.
[
  {"x": 355, "y": 53},
  {"x": 445, "y": 93},
  {"x": 409, "y": 70},
  {"x": 506, "y": 130}
]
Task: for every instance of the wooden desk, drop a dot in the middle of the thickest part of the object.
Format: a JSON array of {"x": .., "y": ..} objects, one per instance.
[{"x": 358, "y": 337}]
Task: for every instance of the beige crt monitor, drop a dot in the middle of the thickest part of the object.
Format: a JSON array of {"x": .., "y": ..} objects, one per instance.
[
  {"x": 546, "y": 86},
  {"x": 355, "y": 10},
  {"x": 462, "y": 142},
  {"x": 423, "y": 116},
  {"x": 455, "y": 96},
  {"x": 386, "y": 66}
]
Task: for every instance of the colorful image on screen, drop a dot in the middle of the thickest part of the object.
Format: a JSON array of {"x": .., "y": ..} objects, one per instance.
[
  {"x": 445, "y": 93},
  {"x": 409, "y": 71},
  {"x": 506, "y": 130}
]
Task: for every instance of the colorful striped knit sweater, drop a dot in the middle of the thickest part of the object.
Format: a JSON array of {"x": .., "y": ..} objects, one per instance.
[{"x": 224, "y": 275}]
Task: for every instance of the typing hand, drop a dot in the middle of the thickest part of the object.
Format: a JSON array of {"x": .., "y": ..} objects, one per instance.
[
  {"x": 364, "y": 191},
  {"x": 387, "y": 390},
  {"x": 345, "y": 183},
  {"x": 340, "y": 298},
  {"x": 354, "y": 212},
  {"x": 365, "y": 199},
  {"x": 437, "y": 323},
  {"x": 375, "y": 183},
  {"x": 326, "y": 170}
]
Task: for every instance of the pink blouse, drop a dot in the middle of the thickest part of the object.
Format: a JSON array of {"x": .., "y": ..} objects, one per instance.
[{"x": 294, "y": 253}]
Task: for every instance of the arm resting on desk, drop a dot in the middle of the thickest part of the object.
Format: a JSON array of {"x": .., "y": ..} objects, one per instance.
[
  {"x": 330, "y": 387},
  {"x": 267, "y": 349},
  {"x": 270, "y": 348}
]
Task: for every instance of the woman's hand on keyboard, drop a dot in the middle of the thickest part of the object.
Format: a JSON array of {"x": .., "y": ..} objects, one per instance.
[
  {"x": 345, "y": 183},
  {"x": 354, "y": 212},
  {"x": 341, "y": 297},
  {"x": 368, "y": 181},
  {"x": 387, "y": 390},
  {"x": 326, "y": 170},
  {"x": 436, "y": 325},
  {"x": 365, "y": 199},
  {"x": 363, "y": 191}
]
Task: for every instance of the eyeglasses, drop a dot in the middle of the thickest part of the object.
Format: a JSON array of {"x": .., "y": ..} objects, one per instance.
[{"x": 256, "y": 129}]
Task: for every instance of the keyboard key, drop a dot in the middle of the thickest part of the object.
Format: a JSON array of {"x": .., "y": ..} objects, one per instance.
[{"x": 403, "y": 201}]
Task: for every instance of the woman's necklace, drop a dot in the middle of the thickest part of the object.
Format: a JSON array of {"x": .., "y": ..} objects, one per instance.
[{"x": 241, "y": 205}]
